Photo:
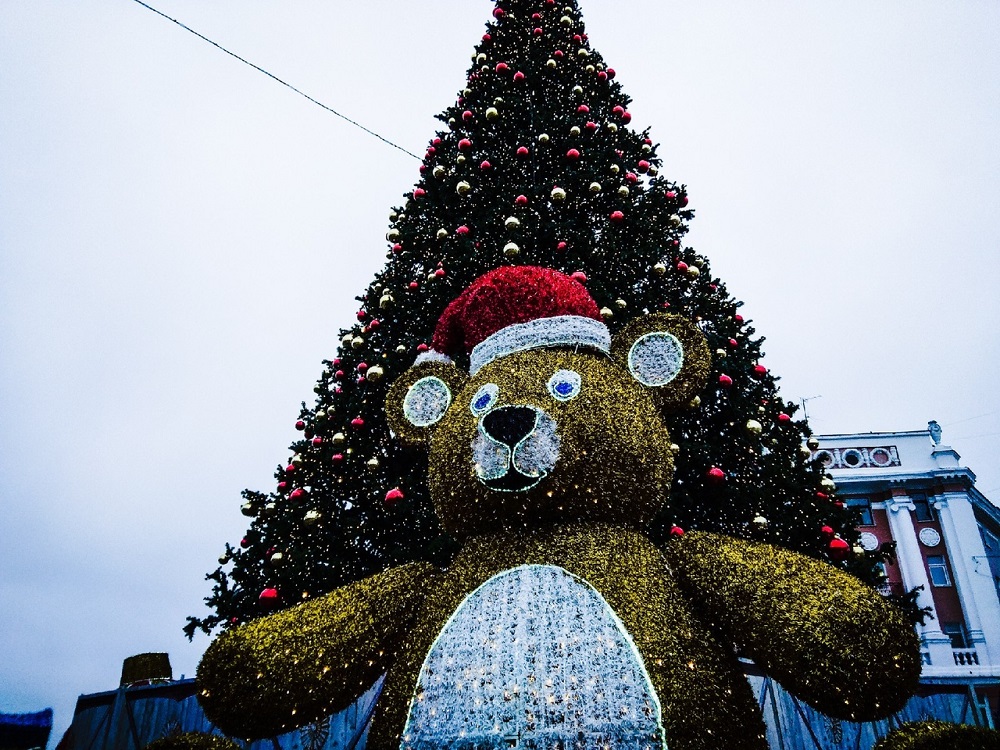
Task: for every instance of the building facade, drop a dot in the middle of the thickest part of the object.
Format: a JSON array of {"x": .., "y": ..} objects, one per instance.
[{"x": 910, "y": 488}]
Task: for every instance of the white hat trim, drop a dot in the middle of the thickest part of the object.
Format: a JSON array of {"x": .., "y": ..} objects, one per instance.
[
  {"x": 432, "y": 356},
  {"x": 562, "y": 330}
]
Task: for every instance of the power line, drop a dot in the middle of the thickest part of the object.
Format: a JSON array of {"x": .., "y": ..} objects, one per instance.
[
  {"x": 969, "y": 419},
  {"x": 274, "y": 77}
]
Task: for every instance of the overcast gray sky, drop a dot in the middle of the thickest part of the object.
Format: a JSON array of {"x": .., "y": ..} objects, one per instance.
[{"x": 181, "y": 238}]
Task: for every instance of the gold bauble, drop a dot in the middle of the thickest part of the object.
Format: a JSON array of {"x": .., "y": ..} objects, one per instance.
[
  {"x": 385, "y": 302},
  {"x": 613, "y": 127},
  {"x": 623, "y": 191},
  {"x": 277, "y": 558},
  {"x": 578, "y": 90},
  {"x": 492, "y": 113},
  {"x": 246, "y": 509},
  {"x": 339, "y": 439},
  {"x": 270, "y": 509},
  {"x": 693, "y": 271},
  {"x": 442, "y": 233},
  {"x": 575, "y": 131},
  {"x": 695, "y": 402},
  {"x": 392, "y": 235},
  {"x": 439, "y": 172},
  {"x": 544, "y": 138},
  {"x": 721, "y": 353},
  {"x": 595, "y": 187},
  {"x": 375, "y": 373},
  {"x": 760, "y": 522},
  {"x": 372, "y": 463},
  {"x": 614, "y": 169},
  {"x": 754, "y": 427},
  {"x": 550, "y": 63},
  {"x": 511, "y": 249},
  {"x": 583, "y": 52},
  {"x": 812, "y": 443},
  {"x": 607, "y": 313},
  {"x": 660, "y": 269},
  {"x": 312, "y": 517},
  {"x": 357, "y": 342},
  {"x": 460, "y": 159},
  {"x": 401, "y": 349},
  {"x": 566, "y": 21},
  {"x": 621, "y": 304},
  {"x": 463, "y": 188},
  {"x": 558, "y": 194},
  {"x": 828, "y": 484},
  {"x": 480, "y": 58},
  {"x": 675, "y": 220},
  {"x": 297, "y": 459},
  {"x": 512, "y": 222}
]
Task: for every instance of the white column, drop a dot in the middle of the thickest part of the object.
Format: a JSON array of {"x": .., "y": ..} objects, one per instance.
[
  {"x": 911, "y": 566},
  {"x": 975, "y": 591}
]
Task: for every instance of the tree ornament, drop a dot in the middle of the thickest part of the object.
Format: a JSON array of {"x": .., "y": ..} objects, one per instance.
[
  {"x": 462, "y": 231},
  {"x": 716, "y": 475},
  {"x": 617, "y": 216},
  {"x": 725, "y": 381},
  {"x": 519, "y": 76},
  {"x": 375, "y": 373},
  {"x": 595, "y": 187},
  {"x": 812, "y": 443},
  {"x": 277, "y": 559},
  {"x": 512, "y": 222},
  {"x": 573, "y": 154},
  {"x": 439, "y": 172},
  {"x": 558, "y": 194},
  {"x": 247, "y": 509},
  {"x": 676, "y": 532},
  {"x": 300, "y": 425},
  {"x": 575, "y": 131},
  {"x": 492, "y": 113},
  {"x": 393, "y": 496},
  {"x": 784, "y": 418},
  {"x": 607, "y": 313},
  {"x": 753, "y": 427},
  {"x": 511, "y": 249},
  {"x": 759, "y": 371},
  {"x": 357, "y": 342},
  {"x": 623, "y": 191},
  {"x": 659, "y": 269},
  {"x": 269, "y": 597},
  {"x": 270, "y": 509},
  {"x": 760, "y": 522},
  {"x": 544, "y": 138},
  {"x": 522, "y": 151},
  {"x": 693, "y": 271},
  {"x": 838, "y": 549},
  {"x": 357, "y": 423},
  {"x": 463, "y": 188}
]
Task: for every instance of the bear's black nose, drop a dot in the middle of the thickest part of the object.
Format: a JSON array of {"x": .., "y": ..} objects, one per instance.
[{"x": 510, "y": 424}]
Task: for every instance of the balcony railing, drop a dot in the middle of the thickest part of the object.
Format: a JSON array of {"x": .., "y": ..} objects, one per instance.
[{"x": 965, "y": 657}]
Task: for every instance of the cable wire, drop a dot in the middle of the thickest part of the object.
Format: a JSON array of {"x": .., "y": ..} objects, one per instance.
[{"x": 274, "y": 77}]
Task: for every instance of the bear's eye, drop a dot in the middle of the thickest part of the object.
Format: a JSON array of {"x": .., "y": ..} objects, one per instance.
[
  {"x": 564, "y": 385},
  {"x": 485, "y": 398}
]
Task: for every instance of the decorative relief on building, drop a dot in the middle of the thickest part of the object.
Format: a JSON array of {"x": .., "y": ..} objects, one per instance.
[
  {"x": 929, "y": 537},
  {"x": 880, "y": 457},
  {"x": 869, "y": 542}
]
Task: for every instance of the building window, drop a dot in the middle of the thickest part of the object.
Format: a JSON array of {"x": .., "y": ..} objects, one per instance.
[
  {"x": 924, "y": 511},
  {"x": 864, "y": 508},
  {"x": 938, "y": 570},
  {"x": 958, "y": 634}
]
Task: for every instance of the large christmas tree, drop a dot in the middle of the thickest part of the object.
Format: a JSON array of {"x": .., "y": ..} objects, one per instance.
[{"x": 536, "y": 165}]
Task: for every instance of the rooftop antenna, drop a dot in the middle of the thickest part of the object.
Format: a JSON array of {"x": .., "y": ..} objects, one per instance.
[{"x": 804, "y": 401}]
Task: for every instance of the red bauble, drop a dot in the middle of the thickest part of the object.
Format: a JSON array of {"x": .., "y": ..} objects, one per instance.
[
  {"x": 671, "y": 195},
  {"x": 467, "y": 115},
  {"x": 357, "y": 423},
  {"x": 632, "y": 177},
  {"x": 617, "y": 216},
  {"x": 558, "y": 54},
  {"x": 397, "y": 248},
  {"x": 592, "y": 126},
  {"x": 579, "y": 276},
  {"x": 627, "y": 118},
  {"x": 602, "y": 76},
  {"x": 487, "y": 38},
  {"x": 839, "y": 549},
  {"x": 822, "y": 496},
  {"x": 502, "y": 67},
  {"x": 419, "y": 193},
  {"x": 290, "y": 469},
  {"x": 462, "y": 231},
  {"x": 573, "y": 154},
  {"x": 317, "y": 441},
  {"x": 393, "y": 496},
  {"x": 244, "y": 542},
  {"x": 297, "y": 494},
  {"x": 759, "y": 371},
  {"x": 784, "y": 418},
  {"x": 374, "y": 324},
  {"x": 521, "y": 200},
  {"x": 619, "y": 109},
  {"x": 538, "y": 31},
  {"x": 519, "y": 76},
  {"x": 716, "y": 475},
  {"x": 738, "y": 318},
  {"x": 362, "y": 366},
  {"x": 583, "y": 109},
  {"x": 827, "y": 532},
  {"x": 339, "y": 374},
  {"x": 643, "y": 166},
  {"x": 498, "y": 12},
  {"x": 282, "y": 486},
  {"x": 676, "y": 531},
  {"x": 464, "y": 145},
  {"x": 611, "y": 73},
  {"x": 682, "y": 266},
  {"x": 338, "y": 458},
  {"x": 300, "y": 425},
  {"x": 561, "y": 246},
  {"x": 523, "y": 151},
  {"x": 733, "y": 343},
  {"x": 269, "y": 597},
  {"x": 485, "y": 165},
  {"x": 439, "y": 272},
  {"x": 725, "y": 381},
  {"x": 414, "y": 285},
  {"x": 421, "y": 348}
]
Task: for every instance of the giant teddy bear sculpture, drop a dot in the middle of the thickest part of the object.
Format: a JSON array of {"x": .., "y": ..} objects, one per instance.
[{"x": 559, "y": 624}]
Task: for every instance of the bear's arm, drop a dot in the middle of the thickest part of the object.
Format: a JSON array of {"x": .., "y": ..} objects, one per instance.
[
  {"x": 300, "y": 665},
  {"x": 824, "y": 635}
]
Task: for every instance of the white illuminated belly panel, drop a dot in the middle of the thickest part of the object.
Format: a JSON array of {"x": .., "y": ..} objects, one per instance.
[{"x": 534, "y": 657}]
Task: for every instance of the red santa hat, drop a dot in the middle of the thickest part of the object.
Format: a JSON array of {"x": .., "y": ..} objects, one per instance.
[{"x": 514, "y": 309}]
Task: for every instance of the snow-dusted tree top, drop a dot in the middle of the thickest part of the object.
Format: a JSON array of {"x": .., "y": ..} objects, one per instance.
[{"x": 534, "y": 657}]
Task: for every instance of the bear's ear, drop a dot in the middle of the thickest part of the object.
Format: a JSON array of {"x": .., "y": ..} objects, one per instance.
[
  {"x": 666, "y": 353},
  {"x": 419, "y": 398}
]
